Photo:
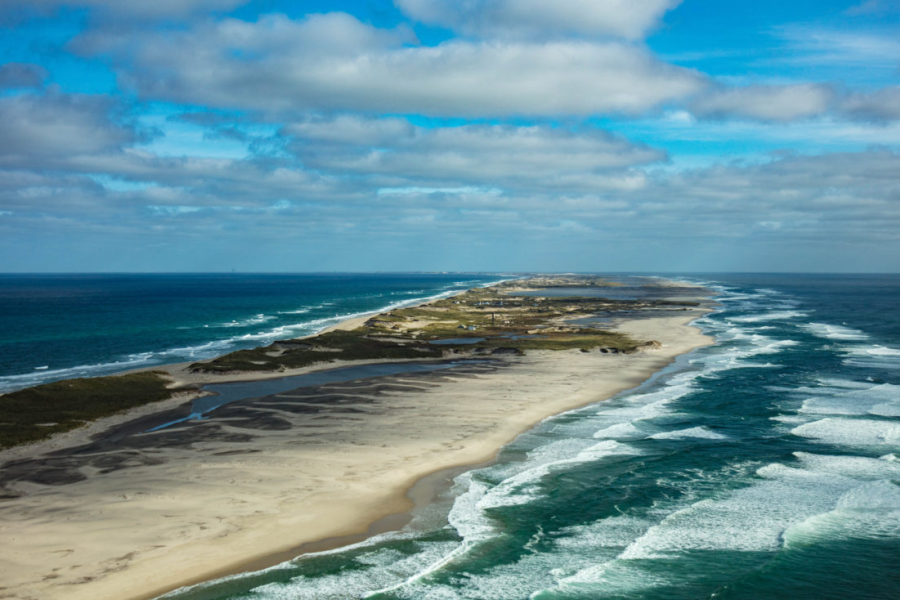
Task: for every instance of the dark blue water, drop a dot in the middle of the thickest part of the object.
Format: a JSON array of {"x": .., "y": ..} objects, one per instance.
[
  {"x": 765, "y": 466},
  {"x": 61, "y": 326}
]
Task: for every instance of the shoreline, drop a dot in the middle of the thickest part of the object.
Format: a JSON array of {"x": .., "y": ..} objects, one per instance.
[
  {"x": 343, "y": 322},
  {"x": 422, "y": 493},
  {"x": 387, "y": 499},
  {"x": 181, "y": 376}
]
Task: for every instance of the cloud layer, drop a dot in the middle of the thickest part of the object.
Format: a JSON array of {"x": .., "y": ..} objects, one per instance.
[
  {"x": 480, "y": 134},
  {"x": 534, "y": 19},
  {"x": 335, "y": 62}
]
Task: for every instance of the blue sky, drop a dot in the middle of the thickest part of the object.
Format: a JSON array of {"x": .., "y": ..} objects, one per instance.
[{"x": 490, "y": 135}]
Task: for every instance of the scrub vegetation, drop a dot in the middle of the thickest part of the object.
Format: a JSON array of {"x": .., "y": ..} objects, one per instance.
[
  {"x": 36, "y": 413},
  {"x": 484, "y": 321}
]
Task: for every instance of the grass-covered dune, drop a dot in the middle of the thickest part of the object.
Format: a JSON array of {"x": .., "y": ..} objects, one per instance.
[
  {"x": 491, "y": 316},
  {"x": 36, "y": 413},
  {"x": 496, "y": 321}
]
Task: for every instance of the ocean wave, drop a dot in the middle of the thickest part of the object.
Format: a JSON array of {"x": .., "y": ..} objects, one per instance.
[
  {"x": 851, "y": 432},
  {"x": 881, "y": 400},
  {"x": 470, "y": 515},
  {"x": 248, "y": 322},
  {"x": 869, "y": 511},
  {"x": 700, "y": 433},
  {"x": 751, "y": 519},
  {"x": 835, "y": 332},
  {"x": 877, "y": 351},
  {"x": 873, "y": 357},
  {"x": 785, "y": 315}
]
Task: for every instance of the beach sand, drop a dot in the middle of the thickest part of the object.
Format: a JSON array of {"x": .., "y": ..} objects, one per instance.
[{"x": 121, "y": 514}]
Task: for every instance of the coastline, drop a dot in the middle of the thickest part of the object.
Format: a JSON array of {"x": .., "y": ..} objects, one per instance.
[{"x": 327, "y": 490}]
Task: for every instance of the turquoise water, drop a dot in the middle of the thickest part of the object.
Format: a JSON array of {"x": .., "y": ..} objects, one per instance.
[
  {"x": 56, "y": 327},
  {"x": 765, "y": 466}
]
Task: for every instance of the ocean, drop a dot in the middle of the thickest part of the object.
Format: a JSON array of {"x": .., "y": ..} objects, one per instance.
[
  {"x": 55, "y": 327},
  {"x": 764, "y": 466}
]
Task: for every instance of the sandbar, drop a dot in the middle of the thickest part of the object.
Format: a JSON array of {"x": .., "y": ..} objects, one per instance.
[{"x": 114, "y": 512}]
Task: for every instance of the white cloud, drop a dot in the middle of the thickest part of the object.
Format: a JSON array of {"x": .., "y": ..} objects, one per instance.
[
  {"x": 880, "y": 105},
  {"x": 765, "y": 102},
  {"x": 539, "y": 19},
  {"x": 485, "y": 155},
  {"x": 37, "y": 130},
  {"x": 335, "y": 63}
]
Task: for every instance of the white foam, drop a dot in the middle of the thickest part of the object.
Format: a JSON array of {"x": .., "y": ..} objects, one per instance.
[
  {"x": 881, "y": 400},
  {"x": 700, "y": 433},
  {"x": 835, "y": 332},
  {"x": 749, "y": 519},
  {"x": 621, "y": 431},
  {"x": 523, "y": 487},
  {"x": 841, "y": 384},
  {"x": 874, "y": 356},
  {"x": 882, "y": 351},
  {"x": 871, "y": 510},
  {"x": 383, "y": 568},
  {"x": 859, "y": 467},
  {"x": 248, "y": 322},
  {"x": 785, "y": 315},
  {"x": 828, "y": 496},
  {"x": 851, "y": 432}
]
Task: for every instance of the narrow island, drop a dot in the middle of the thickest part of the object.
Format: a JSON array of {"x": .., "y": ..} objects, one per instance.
[{"x": 130, "y": 486}]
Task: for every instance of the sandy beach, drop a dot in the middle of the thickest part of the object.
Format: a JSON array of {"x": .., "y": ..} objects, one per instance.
[{"x": 115, "y": 512}]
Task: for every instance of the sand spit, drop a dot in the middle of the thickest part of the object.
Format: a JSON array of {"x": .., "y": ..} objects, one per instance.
[{"x": 128, "y": 515}]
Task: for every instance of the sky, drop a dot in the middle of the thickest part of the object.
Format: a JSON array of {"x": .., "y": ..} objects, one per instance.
[{"x": 466, "y": 135}]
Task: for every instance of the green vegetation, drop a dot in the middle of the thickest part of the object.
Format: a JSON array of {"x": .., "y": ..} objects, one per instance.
[
  {"x": 36, "y": 413},
  {"x": 327, "y": 347},
  {"x": 503, "y": 320}
]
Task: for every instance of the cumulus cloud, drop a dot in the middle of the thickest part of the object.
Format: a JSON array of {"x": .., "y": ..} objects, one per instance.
[
  {"x": 37, "y": 130},
  {"x": 523, "y": 157},
  {"x": 538, "y": 19},
  {"x": 471, "y": 182},
  {"x": 765, "y": 102},
  {"x": 21, "y": 75},
  {"x": 336, "y": 63}
]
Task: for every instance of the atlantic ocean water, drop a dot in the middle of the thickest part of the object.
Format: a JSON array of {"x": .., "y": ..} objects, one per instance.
[
  {"x": 56, "y": 327},
  {"x": 764, "y": 466}
]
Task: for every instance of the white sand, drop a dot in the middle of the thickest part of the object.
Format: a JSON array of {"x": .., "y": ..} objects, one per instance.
[{"x": 142, "y": 531}]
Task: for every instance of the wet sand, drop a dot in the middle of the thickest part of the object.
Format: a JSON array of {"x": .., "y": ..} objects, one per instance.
[{"x": 124, "y": 514}]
